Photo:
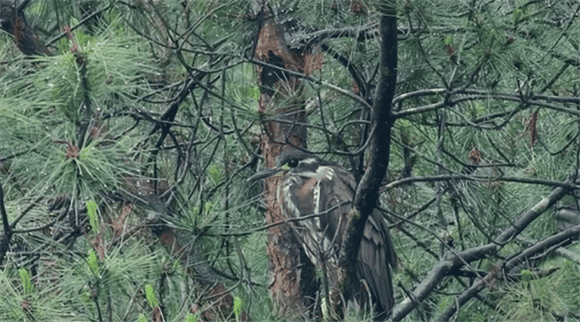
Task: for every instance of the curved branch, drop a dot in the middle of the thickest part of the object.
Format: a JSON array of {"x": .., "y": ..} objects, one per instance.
[
  {"x": 480, "y": 95},
  {"x": 506, "y": 266},
  {"x": 344, "y": 92},
  {"x": 454, "y": 261},
  {"x": 447, "y": 177},
  {"x": 367, "y": 192}
]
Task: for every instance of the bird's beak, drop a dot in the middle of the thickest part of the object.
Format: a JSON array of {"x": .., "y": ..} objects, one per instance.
[{"x": 266, "y": 173}]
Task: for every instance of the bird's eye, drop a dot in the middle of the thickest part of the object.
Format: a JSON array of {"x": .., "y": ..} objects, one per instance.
[{"x": 293, "y": 163}]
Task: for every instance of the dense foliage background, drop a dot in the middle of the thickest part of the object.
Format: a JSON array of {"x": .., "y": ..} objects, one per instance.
[{"x": 126, "y": 138}]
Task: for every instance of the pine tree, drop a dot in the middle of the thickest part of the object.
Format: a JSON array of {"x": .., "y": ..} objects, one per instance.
[{"x": 128, "y": 128}]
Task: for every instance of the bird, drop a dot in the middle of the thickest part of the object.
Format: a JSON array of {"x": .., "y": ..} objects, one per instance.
[{"x": 317, "y": 195}]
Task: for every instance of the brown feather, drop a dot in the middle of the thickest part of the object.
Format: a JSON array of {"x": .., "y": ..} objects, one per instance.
[{"x": 317, "y": 186}]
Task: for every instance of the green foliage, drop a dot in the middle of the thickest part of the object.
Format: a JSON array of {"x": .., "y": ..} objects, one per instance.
[
  {"x": 26, "y": 283},
  {"x": 92, "y": 213},
  {"x": 93, "y": 262},
  {"x": 238, "y": 306},
  {"x": 545, "y": 298},
  {"x": 191, "y": 318},
  {"x": 88, "y": 143},
  {"x": 527, "y": 275},
  {"x": 214, "y": 174},
  {"x": 150, "y": 295}
]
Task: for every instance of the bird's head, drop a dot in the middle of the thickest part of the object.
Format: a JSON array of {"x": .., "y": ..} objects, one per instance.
[{"x": 294, "y": 162}]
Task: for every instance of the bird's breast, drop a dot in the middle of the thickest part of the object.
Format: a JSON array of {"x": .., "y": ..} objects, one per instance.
[{"x": 298, "y": 195}]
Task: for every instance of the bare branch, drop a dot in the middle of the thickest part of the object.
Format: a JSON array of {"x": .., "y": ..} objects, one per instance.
[
  {"x": 506, "y": 266},
  {"x": 7, "y": 235},
  {"x": 454, "y": 261}
]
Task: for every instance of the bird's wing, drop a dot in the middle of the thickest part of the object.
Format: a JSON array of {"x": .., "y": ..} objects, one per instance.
[
  {"x": 376, "y": 258},
  {"x": 335, "y": 201}
]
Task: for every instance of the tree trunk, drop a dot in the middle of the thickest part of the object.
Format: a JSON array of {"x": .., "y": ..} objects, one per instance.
[
  {"x": 292, "y": 282},
  {"x": 13, "y": 21}
]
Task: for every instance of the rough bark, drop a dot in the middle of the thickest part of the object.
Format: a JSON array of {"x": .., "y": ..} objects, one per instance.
[
  {"x": 367, "y": 194},
  {"x": 13, "y": 21},
  {"x": 292, "y": 276}
]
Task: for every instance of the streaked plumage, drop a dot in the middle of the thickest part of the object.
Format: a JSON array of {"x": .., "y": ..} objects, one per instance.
[{"x": 324, "y": 191}]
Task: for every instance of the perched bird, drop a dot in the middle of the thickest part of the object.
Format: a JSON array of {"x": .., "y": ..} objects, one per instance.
[{"x": 321, "y": 193}]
